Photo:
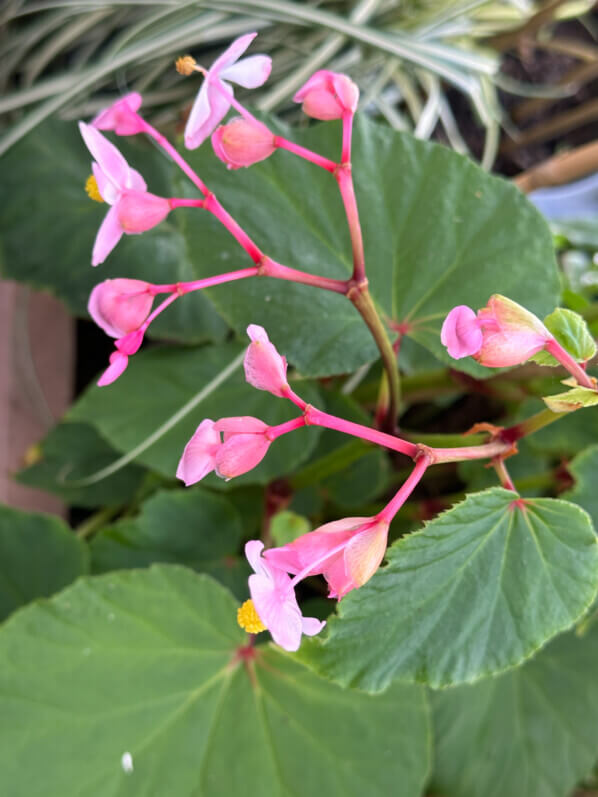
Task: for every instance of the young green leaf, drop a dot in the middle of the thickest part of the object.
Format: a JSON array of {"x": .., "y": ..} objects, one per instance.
[
  {"x": 477, "y": 591},
  {"x": 571, "y": 331},
  {"x": 571, "y": 400}
]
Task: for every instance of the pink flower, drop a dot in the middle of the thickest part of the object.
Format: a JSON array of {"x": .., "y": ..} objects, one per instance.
[
  {"x": 120, "y": 306},
  {"x": 346, "y": 552},
  {"x": 118, "y": 363},
  {"x": 265, "y": 369},
  {"x": 274, "y": 599},
  {"x": 133, "y": 210},
  {"x": 121, "y": 116},
  {"x": 212, "y": 102},
  {"x": 328, "y": 95},
  {"x": 244, "y": 445},
  {"x": 242, "y": 143},
  {"x": 501, "y": 334}
]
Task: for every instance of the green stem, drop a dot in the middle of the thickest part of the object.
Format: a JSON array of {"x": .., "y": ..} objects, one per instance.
[
  {"x": 96, "y": 521},
  {"x": 361, "y": 298},
  {"x": 531, "y": 425}
]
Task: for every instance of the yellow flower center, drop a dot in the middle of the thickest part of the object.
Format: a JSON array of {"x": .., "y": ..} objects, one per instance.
[
  {"x": 248, "y": 618},
  {"x": 185, "y": 65},
  {"x": 92, "y": 190}
]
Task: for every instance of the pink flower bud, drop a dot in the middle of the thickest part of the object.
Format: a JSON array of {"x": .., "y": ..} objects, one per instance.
[
  {"x": 118, "y": 363},
  {"x": 241, "y": 143},
  {"x": 328, "y": 95},
  {"x": 265, "y": 369},
  {"x": 139, "y": 211},
  {"x": 120, "y": 306},
  {"x": 502, "y": 334},
  {"x": 121, "y": 116},
  {"x": 347, "y": 552},
  {"x": 199, "y": 456}
]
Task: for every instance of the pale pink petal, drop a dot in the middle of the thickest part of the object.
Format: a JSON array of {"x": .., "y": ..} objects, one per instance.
[
  {"x": 313, "y": 547},
  {"x": 109, "y": 191},
  {"x": 139, "y": 211},
  {"x": 241, "y": 143},
  {"x": 279, "y": 612},
  {"x": 501, "y": 351},
  {"x": 232, "y": 53},
  {"x": 253, "y": 553},
  {"x": 118, "y": 363},
  {"x": 120, "y": 306},
  {"x": 316, "y": 81},
  {"x": 250, "y": 72},
  {"x": 109, "y": 159},
  {"x": 339, "y": 581},
  {"x": 364, "y": 553},
  {"x": 265, "y": 369},
  {"x": 108, "y": 236},
  {"x": 312, "y": 626},
  {"x": 135, "y": 181},
  {"x": 199, "y": 455},
  {"x": 244, "y": 424},
  {"x": 461, "y": 332},
  {"x": 208, "y": 111},
  {"x": 240, "y": 453},
  {"x": 121, "y": 116}
]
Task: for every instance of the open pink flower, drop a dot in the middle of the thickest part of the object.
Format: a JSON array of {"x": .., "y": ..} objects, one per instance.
[
  {"x": 501, "y": 334},
  {"x": 274, "y": 600},
  {"x": 120, "y": 306},
  {"x": 328, "y": 95},
  {"x": 212, "y": 103},
  {"x": 243, "y": 446},
  {"x": 265, "y": 369},
  {"x": 133, "y": 210},
  {"x": 346, "y": 552},
  {"x": 121, "y": 116},
  {"x": 242, "y": 143}
]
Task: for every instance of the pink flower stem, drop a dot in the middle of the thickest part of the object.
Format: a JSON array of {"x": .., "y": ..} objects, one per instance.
[
  {"x": 393, "y": 506},
  {"x": 276, "y": 431},
  {"x": 270, "y": 268},
  {"x": 235, "y": 229},
  {"x": 345, "y": 184},
  {"x": 316, "y": 417},
  {"x": 290, "y": 394},
  {"x": 558, "y": 352},
  {"x": 197, "y": 285},
  {"x": 176, "y": 202},
  {"x": 347, "y": 136},
  {"x": 495, "y": 448},
  {"x": 306, "y": 154},
  {"x": 162, "y": 306},
  {"x": 176, "y": 157}
]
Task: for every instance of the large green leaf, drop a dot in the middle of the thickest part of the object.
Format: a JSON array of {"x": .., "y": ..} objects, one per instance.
[
  {"x": 39, "y": 555},
  {"x": 160, "y": 381},
  {"x": 584, "y": 469},
  {"x": 49, "y": 225},
  {"x": 477, "y": 591},
  {"x": 438, "y": 231},
  {"x": 72, "y": 451},
  {"x": 190, "y": 527},
  {"x": 531, "y": 732},
  {"x": 146, "y": 663}
]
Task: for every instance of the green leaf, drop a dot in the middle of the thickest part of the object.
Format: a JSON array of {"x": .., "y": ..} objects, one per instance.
[
  {"x": 286, "y": 526},
  {"x": 438, "y": 231},
  {"x": 43, "y": 181},
  {"x": 39, "y": 555},
  {"x": 571, "y": 400},
  {"x": 145, "y": 663},
  {"x": 191, "y": 527},
  {"x": 569, "y": 435},
  {"x": 477, "y": 591},
  {"x": 584, "y": 469},
  {"x": 571, "y": 331},
  {"x": 160, "y": 381},
  {"x": 531, "y": 732},
  {"x": 72, "y": 451}
]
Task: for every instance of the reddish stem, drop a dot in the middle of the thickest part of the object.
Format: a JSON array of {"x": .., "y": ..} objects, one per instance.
[
  {"x": 393, "y": 506},
  {"x": 197, "y": 285},
  {"x": 559, "y": 353},
  {"x": 289, "y": 426},
  {"x": 270, "y": 268},
  {"x": 503, "y": 474},
  {"x": 306, "y": 154},
  {"x": 174, "y": 154}
]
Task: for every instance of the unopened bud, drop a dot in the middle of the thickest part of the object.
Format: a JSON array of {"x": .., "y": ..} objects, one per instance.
[
  {"x": 120, "y": 306},
  {"x": 242, "y": 143},
  {"x": 328, "y": 95}
]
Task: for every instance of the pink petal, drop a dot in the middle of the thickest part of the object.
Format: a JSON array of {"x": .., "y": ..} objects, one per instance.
[
  {"x": 199, "y": 455},
  {"x": 364, "y": 553},
  {"x": 502, "y": 350},
  {"x": 121, "y": 116},
  {"x": 232, "y": 53},
  {"x": 240, "y": 453},
  {"x": 139, "y": 211},
  {"x": 129, "y": 344},
  {"x": 278, "y": 610},
  {"x": 245, "y": 424},
  {"x": 339, "y": 581},
  {"x": 250, "y": 72},
  {"x": 135, "y": 181},
  {"x": 318, "y": 80},
  {"x": 209, "y": 109},
  {"x": 253, "y": 553},
  {"x": 264, "y": 368},
  {"x": 120, "y": 306},
  {"x": 109, "y": 159},
  {"x": 312, "y": 626},
  {"x": 109, "y": 191},
  {"x": 118, "y": 363},
  {"x": 108, "y": 236},
  {"x": 461, "y": 333}
]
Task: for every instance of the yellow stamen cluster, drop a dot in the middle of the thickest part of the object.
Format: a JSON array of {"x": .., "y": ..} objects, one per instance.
[
  {"x": 248, "y": 618},
  {"x": 185, "y": 65},
  {"x": 92, "y": 190}
]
